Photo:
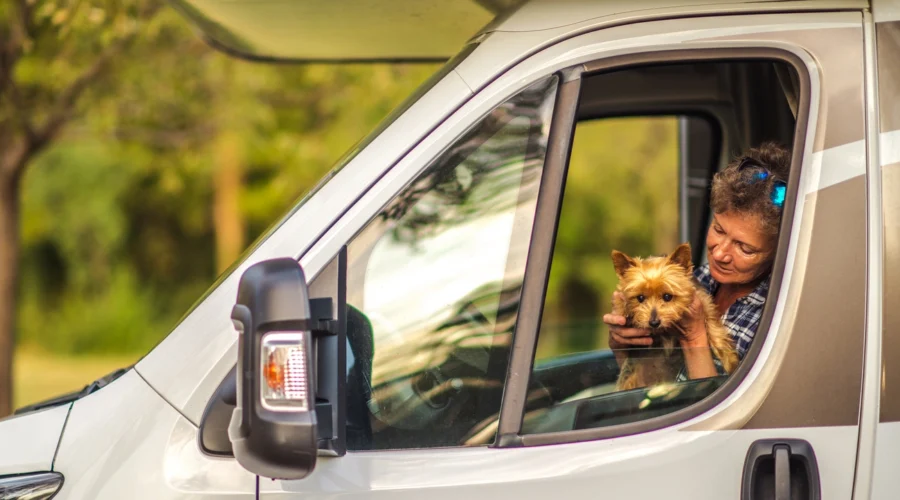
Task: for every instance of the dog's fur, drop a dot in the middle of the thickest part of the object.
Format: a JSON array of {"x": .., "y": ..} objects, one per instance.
[{"x": 654, "y": 279}]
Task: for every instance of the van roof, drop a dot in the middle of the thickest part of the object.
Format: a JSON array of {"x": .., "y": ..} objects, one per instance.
[{"x": 415, "y": 30}]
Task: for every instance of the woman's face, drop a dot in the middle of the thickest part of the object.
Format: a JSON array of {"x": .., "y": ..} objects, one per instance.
[{"x": 737, "y": 249}]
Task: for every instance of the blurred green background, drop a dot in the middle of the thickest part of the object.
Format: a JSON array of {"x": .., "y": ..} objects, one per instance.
[
  {"x": 173, "y": 162},
  {"x": 621, "y": 193},
  {"x": 183, "y": 156}
]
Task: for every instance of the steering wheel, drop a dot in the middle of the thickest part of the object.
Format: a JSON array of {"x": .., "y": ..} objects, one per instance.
[{"x": 459, "y": 358}]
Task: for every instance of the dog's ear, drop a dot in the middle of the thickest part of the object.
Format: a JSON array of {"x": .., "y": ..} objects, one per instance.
[
  {"x": 682, "y": 256},
  {"x": 621, "y": 262}
]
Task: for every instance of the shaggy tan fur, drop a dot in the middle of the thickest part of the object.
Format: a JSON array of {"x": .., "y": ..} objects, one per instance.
[{"x": 661, "y": 289}]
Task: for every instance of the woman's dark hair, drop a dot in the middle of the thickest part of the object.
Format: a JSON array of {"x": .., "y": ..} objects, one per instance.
[{"x": 754, "y": 183}]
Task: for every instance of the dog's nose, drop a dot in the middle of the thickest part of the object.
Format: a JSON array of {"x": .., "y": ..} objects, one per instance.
[{"x": 654, "y": 323}]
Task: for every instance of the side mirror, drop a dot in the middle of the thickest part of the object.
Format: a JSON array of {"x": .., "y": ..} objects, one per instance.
[{"x": 280, "y": 422}]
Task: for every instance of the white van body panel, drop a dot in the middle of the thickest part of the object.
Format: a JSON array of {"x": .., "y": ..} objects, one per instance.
[
  {"x": 126, "y": 442},
  {"x": 504, "y": 48},
  {"x": 30, "y": 440},
  {"x": 545, "y": 15},
  {"x": 616, "y": 468},
  {"x": 539, "y": 24},
  {"x": 869, "y": 407},
  {"x": 885, "y": 10},
  {"x": 885, "y": 479},
  {"x": 188, "y": 365}
]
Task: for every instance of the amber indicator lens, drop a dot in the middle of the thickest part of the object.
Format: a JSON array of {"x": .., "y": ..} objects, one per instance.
[{"x": 285, "y": 377}]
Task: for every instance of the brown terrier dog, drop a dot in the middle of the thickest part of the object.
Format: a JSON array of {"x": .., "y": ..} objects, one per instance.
[{"x": 657, "y": 293}]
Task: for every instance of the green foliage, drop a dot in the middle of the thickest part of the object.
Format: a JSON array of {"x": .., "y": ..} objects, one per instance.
[
  {"x": 72, "y": 204},
  {"x": 122, "y": 317},
  {"x": 118, "y": 229},
  {"x": 61, "y": 47},
  {"x": 621, "y": 193}
]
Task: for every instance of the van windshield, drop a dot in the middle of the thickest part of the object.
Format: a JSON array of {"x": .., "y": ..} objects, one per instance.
[{"x": 341, "y": 163}]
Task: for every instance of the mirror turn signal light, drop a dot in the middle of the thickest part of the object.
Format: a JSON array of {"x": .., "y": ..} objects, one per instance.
[{"x": 285, "y": 374}]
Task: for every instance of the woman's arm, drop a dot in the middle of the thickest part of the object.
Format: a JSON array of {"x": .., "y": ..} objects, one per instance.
[{"x": 698, "y": 357}]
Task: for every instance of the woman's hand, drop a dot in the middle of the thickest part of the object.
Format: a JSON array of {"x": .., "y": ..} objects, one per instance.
[
  {"x": 621, "y": 336},
  {"x": 695, "y": 344},
  {"x": 694, "y": 326}
]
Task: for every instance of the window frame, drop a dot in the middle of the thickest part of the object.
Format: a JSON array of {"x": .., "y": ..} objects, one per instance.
[{"x": 541, "y": 249}]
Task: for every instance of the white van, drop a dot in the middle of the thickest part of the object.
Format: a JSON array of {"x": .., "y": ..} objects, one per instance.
[{"x": 414, "y": 277}]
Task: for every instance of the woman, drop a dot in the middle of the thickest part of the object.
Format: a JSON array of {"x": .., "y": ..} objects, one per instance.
[{"x": 747, "y": 202}]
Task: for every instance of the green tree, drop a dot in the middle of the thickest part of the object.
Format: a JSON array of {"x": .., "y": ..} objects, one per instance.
[
  {"x": 51, "y": 53},
  {"x": 185, "y": 155}
]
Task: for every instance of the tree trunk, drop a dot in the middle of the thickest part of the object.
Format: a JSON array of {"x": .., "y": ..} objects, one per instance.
[
  {"x": 9, "y": 267},
  {"x": 227, "y": 184}
]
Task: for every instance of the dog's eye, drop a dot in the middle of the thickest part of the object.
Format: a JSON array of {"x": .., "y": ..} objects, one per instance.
[
  {"x": 640, "y": 298},
  {"x": 667, "y": 297}
]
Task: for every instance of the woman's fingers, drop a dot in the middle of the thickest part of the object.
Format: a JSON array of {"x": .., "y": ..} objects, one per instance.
[
  {"x": 614, "y": 319},
  {"x": 619, "y": 335},
  {"x": 634, "y": 341},
  {"x": 630, "y": 336},
  {"x": 631, "y": 332}
]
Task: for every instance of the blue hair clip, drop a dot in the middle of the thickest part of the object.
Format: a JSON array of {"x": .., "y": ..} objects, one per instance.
[
  {"x": 778, "y": 192},
  {"x": 779, "y": 188}
]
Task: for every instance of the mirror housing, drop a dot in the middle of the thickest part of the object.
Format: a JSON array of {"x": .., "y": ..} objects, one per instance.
[{"x": 273, "y": 428}]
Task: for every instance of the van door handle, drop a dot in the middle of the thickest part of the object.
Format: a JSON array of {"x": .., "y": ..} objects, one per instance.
[{"x": 783, "y": 469}]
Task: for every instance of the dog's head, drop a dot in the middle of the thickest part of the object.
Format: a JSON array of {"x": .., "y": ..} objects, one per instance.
[{"x": 658, "y": 291}]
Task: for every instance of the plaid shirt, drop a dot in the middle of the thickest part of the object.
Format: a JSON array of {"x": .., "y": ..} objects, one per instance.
[{"x": 741, "y": 319}]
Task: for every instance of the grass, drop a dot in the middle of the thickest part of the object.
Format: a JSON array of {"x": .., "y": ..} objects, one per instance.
[{"x": 40, "y": 375}]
